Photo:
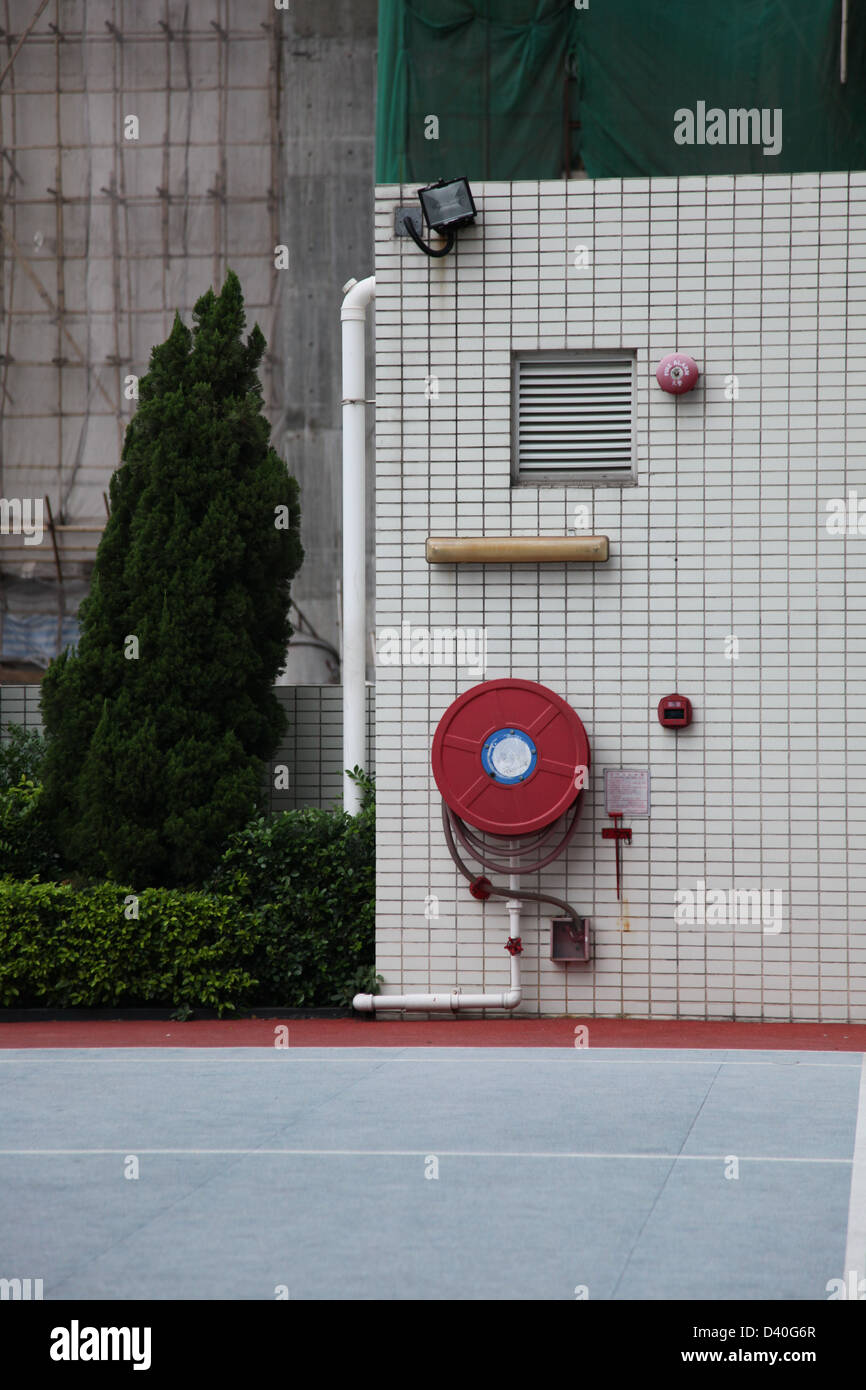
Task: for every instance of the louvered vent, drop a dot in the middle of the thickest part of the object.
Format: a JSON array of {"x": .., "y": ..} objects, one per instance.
[{"x": 573, "y": 416}]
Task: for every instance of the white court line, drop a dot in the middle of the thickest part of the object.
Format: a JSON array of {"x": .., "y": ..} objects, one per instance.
[
  {"x": 404, "y": 1153},
  {"x": 711, "y": 1056},
  {"x": 855, "y": 1249}
]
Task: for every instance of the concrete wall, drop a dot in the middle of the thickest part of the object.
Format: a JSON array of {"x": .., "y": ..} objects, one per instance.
[
  {"x": 326, "y": 216},
  {"x": 725, "y": 534},
  {"x": 312, "y": 749}
]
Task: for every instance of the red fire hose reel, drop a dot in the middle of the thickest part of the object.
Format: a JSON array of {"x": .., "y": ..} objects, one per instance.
[
  {"x": 508, "y": 755},
  {"x": 510, "y": 758}
]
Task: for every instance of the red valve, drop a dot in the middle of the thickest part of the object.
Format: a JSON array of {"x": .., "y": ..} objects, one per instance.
[
  {"x": 480, "y": 888},
  {"x": 514, "y": 946}
]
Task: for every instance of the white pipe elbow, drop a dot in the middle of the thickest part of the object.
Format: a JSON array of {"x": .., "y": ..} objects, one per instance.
[{"x": 357, "y": 298}]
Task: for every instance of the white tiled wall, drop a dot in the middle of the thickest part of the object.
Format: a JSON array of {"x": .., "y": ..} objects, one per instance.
[
  {"x": 311, "y": 749},
  {"x": 761, "y": 278}
]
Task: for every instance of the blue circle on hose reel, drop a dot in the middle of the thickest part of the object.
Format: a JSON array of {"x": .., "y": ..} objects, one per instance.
[{"x": 509, "y": 756}]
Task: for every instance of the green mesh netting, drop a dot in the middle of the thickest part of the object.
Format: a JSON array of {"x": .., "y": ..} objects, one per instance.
[{"x": 507, "y": 80}]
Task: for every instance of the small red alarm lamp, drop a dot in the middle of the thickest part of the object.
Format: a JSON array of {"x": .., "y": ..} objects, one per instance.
[{"x": 675, "y": 712}]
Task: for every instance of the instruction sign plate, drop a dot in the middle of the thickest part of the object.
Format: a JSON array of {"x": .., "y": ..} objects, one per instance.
[{"x": 627, "y": 789}]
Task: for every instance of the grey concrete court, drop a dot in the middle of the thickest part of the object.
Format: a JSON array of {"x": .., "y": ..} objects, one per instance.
[{"x": 608, "y": 1173}]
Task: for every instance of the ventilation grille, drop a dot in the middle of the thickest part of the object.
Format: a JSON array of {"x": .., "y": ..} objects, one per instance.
[{"x": 574, "y": 415}]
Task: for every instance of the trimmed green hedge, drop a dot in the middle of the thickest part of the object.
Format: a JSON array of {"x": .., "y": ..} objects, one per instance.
[
  {"x": 66, "y": 948},
  {"x": 287, "y": 921},
  {"x": 308, "y": 880}
]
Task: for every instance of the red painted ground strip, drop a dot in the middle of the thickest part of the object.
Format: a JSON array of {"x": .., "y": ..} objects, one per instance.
[{"x": 445, "y": 1032}]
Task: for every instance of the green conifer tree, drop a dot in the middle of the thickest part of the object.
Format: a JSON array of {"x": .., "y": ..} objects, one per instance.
[{"x": 158, "y": 725}]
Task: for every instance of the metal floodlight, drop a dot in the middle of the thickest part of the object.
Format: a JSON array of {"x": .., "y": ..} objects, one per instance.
[{"x": 446, "y": 205}]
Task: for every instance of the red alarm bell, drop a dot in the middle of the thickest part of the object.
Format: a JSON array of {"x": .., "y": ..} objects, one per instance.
[
  {"x": 677, "y": 373},
  {"x": 675, "y": 711}
]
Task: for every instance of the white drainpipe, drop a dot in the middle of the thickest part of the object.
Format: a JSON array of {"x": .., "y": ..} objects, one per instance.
[
  {"x": 454, "y": 1001},
  {"x": 353, "y": 318},
  {"x": 354, "y": 661}
]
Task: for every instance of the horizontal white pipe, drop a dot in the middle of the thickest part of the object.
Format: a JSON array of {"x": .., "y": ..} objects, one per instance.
[
  {"x": 354, "y": 656},
  {"x": 452, "y": 1001}
]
